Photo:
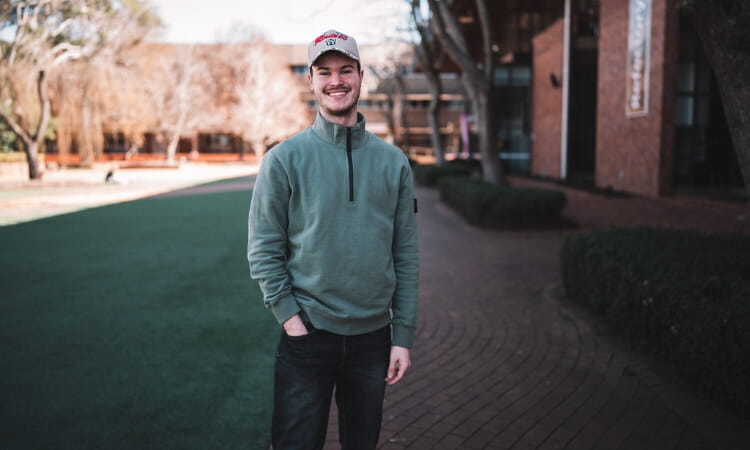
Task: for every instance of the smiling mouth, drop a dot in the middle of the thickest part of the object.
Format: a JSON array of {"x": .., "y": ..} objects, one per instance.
[{"x": 337, "y": 93}]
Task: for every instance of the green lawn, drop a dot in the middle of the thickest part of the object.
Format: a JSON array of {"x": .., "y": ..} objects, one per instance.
[{"x": 134, "y": 326}]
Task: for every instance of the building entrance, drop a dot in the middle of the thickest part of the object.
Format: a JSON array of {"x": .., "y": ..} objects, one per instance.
[
  {"x": 583, "y": 89},
  {"x": 703, "y": 153}
]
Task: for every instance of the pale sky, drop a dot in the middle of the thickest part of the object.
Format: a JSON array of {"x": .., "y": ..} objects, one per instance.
[{"x": 281, "y": 21}]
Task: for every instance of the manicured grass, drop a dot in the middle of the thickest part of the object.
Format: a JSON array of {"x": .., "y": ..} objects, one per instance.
[{"x": 134, "y": 326}]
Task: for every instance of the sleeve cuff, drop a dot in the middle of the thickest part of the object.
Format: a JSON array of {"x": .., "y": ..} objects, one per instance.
[
  {"x": 403, "y": 335},
  {"x": 285, "y": 308}
]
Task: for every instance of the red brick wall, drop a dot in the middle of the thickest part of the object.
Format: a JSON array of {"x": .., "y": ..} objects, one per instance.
[
  {"x": 635, "y": 154},
  {"x": 547, "y": 108}
]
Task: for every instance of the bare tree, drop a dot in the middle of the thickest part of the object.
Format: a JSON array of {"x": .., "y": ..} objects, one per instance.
[
  {"x": 724, "y": 28},
  {"x": 48, "y": 34},
  {"x": 100, "y": 96},
  {"x": 427, "y": 50},
  {"x": 268, "y": 104},
  {"x": 388, "y": 65},
  {"x": 80, "y": 99},
  {"x": 176, "y": 78},
  {"x": 129, "y": 109},
  {"x": 105, "y": 93},
  {"x": 475, "y": 77},
  {"x": 255, "y": 93}
]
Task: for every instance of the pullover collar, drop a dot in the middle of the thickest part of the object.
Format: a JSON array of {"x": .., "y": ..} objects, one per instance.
[{"x": 336, "y": 134}]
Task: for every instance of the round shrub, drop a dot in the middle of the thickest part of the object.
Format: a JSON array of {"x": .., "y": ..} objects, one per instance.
[
  {"x": 684, "y": 294},
  {"x": 429, "y": 174},
  {"x": 492, "y": 206}
]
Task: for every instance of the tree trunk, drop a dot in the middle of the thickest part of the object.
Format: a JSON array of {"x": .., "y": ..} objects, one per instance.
[
  {"x": 398, "y": 123},
  {"x": 476, "y": 78},
  {"x": 492, "y": 171},
  {"x": 32, "y": 159},
  {"x": 172, "y": 148},
  {"x": 403, "y": 120},
  {"x": 435, "y": 137},
  {"x": 259, "y": 148},
  {"x": 481, "y": 103},
  {"x": 427, "y": 51},
  {"x": 175, "y": 139},
  {"x": 31, "y": 144},
  {"x": 723, "y": 28},
  {"x": 84, "y": 140},
  {"x": 435, "y": 87},
  {"x": 390, "y": 113}
]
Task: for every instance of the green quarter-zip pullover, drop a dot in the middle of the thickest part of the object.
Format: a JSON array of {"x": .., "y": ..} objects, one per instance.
[{"x": 332, "y": 232}]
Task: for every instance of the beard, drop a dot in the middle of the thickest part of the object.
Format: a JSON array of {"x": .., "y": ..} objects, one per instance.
[{"x": 333, "y": 108}]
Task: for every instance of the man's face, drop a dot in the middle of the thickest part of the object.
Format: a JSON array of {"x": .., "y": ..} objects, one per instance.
[{"x": 336, "y": 83}]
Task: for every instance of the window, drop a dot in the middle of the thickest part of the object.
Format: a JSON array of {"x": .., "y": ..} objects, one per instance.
[
  {"x": 114, "y": 142},
  {"x": 703, "y": 151},
  {"x": 300, "y": 70}
]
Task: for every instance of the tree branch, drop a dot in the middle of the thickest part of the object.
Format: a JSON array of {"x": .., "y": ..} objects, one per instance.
[
  {"x": 458, "y": 53},
  {"x": 484, "y": 20},
  {"x": 449, "y": 23},
  {"x": 44, "y": 100},
  {"x": 16, "y": 127}
]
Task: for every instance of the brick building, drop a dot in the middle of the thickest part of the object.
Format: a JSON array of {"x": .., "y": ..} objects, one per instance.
[
  {"x": 404, "y": 123},
  {"x": 575, "y": 101},
  {"x": 675, "y": 140}
]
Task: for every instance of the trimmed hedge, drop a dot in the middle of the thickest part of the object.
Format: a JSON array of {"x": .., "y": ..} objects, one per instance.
[
  {"x": 429, "y": 174},
  {"x": 493, "y": 206},
  {"x": 684, "y": 294}
]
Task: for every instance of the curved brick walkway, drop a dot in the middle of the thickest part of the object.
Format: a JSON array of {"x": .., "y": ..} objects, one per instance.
[{"x": 502, "y": 361}]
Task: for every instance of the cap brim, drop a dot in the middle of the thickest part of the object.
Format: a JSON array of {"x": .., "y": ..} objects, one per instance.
[{"x": 328, "y": 50}]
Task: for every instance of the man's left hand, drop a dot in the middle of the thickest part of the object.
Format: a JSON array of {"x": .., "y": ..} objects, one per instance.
[{"x": 399, "y": 364}]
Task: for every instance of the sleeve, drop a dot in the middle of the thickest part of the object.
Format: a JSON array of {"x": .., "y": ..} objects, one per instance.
[
  {"x": 406, "y": 263},
  {"x": 267, "y": 238}
]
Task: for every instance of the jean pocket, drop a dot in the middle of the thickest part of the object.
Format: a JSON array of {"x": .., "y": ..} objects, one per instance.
[
  {"x": 301, "y": 337},
  {"x": 302, "y": 350}
]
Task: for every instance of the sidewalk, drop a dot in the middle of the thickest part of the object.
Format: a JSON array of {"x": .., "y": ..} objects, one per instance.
[
  {"x": 67, "y": 190},
  {"x": 503, "y": 361},
  {"x": 592, "y": 211}
]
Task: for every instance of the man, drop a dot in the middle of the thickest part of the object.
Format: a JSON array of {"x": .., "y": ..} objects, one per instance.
[{"x": 332, "y": 242}]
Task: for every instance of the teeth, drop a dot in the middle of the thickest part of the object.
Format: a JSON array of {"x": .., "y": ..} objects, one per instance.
[{"x": 337, "y": 94}]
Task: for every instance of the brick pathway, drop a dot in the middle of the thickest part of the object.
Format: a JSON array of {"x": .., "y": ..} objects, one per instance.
[
  {"x": 678, "y": 211},
  {"x": 503, "y": 361}
]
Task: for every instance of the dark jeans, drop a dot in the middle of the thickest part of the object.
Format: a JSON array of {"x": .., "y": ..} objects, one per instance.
[{"x": 307, "y": 370}]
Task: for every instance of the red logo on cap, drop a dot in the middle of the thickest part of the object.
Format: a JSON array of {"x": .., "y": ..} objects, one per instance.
[{"x": 332, "y": 35}]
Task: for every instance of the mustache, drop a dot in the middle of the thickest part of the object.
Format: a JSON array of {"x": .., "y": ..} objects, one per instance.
[{"x": 337, "y": 89}]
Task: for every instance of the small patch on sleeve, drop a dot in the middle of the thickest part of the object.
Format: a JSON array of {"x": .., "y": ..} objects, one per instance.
[{"x": 416, "y": 207}]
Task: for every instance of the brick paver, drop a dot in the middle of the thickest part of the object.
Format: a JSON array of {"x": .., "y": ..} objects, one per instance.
[
  {"x": 503, "y": 361},
  {"x": 675, "y": 211}
]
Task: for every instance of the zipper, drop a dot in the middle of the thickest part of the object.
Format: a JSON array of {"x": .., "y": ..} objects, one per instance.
[{"x": 349, "y": 160}]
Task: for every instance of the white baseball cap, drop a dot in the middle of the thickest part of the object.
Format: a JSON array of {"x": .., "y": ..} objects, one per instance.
[{"x": 332, "y": 40}]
